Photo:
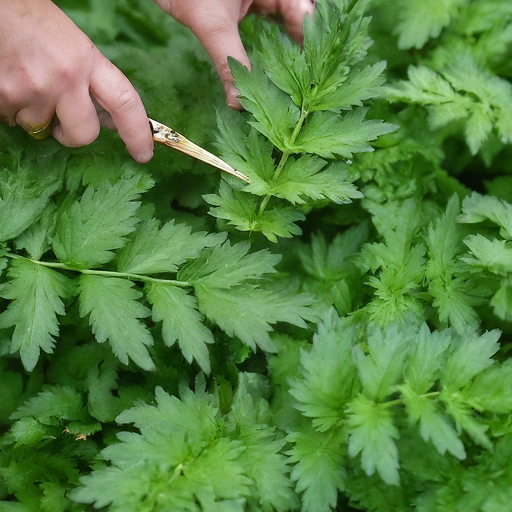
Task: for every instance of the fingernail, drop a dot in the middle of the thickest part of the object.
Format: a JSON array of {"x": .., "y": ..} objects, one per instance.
[{"x": 145, "y": 156}]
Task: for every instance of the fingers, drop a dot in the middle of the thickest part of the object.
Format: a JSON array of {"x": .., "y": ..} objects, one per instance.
[
  {"x": 294, "y": 12},
  {"x": 33, "y": 118},
  {"x": 77, "y": 123},
  {"x": 221, "y": 41},
  {"x": 113, "y": 91}
]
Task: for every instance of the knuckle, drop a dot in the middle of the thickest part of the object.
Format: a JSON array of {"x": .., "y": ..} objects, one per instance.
[
  {"x": 126, "y": 102},
  {"x": 79, "y": 139}
]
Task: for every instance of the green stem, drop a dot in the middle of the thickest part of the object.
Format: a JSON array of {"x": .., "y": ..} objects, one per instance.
[
  {"x": 104, "y": 273},
  {"x": 284, "y": 157},
  {"x": 400, "y": 401}
]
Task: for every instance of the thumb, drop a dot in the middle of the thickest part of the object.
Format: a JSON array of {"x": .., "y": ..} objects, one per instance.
[{"x": 222, "y": 40}]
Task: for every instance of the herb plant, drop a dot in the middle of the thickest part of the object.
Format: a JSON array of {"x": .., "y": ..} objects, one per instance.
[{"x": 334, "y": 335}]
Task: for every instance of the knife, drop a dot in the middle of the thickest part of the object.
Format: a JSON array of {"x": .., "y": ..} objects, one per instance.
[{"x": 169, "y": 137}]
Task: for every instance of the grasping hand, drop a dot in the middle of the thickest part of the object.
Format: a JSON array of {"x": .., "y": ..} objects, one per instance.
[
  {"x": 50, "y": 69},
  {"x": 215, "y": 24}
]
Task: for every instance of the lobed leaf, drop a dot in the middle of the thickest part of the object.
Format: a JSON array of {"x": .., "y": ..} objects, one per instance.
[
  {"x": 177, "y": 310},
  {"x": 114, "y": 313},
  {"x": 99, "y": 222},
  {"x": 36, "y": 289}
]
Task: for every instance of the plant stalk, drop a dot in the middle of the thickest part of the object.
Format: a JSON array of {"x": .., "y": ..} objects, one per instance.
[{"x": 107, "y": 273}]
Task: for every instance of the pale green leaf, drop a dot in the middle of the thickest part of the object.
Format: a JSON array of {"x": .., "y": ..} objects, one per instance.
[
  {"x": 501, "y": 303},
  {"x": 333, "y": 261},
  {"x": 360, "y": 85},
  {"x": 52, "y": 406},
  {"x": 329, "y": 374},
  {"x": 319, "y": 470},
  {"x": 426, "y": 358},
  {"x": 477, "y": 208},
  {"x": 263, "y": 462},
  {"x": 466, "y": 419},
  {"x": 419, "y": 21},
  {"x": 382, "y": 367},
  {"x": 468, "y": 357},
  {"x": 373, "y": 434},
  {"x": 494, "y": 255},
  {"x": 434, "y": 426},
  {"x": 284, "y": 63},
  {"x": 490, "y": 390}
]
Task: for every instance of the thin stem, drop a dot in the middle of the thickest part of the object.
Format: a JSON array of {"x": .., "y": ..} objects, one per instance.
[
  {"x": 106, "y": 273},
  {"x": 400, "y": 401},
  {"x": 284, "y": 157}
]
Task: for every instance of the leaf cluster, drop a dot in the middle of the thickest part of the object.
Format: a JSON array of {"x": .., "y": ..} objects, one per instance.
[
  {"x": 304, "y": 112},
  {"x": 369, "y": 393}
]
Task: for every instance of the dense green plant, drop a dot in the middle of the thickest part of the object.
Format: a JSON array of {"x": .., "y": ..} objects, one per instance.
[{"x": 168, "y": 341}]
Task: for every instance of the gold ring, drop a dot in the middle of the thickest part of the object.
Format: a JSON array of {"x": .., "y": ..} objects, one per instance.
[{"x": 39, "y": 131}]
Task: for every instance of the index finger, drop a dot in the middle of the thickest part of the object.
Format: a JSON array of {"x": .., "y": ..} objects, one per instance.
[{"x": 114, "y": 92}]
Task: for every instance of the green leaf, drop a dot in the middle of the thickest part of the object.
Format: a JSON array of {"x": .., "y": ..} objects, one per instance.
[
  {"x": 98, "y": 223},
  {"x": 248, "y": 313},
  {"x": 477, "y": 208},
  {"x": 36, "y": 293},
  {"x": 420, "y": 21},
  {"x": 329, "y": 135},
  {"x": 275, "y": 113},
  {"x": 434, "y": 426},
  {"x": 501, "y": 303},
  {"x": 249, "y": 153},
  {"x": 177, "y": 462},
  {"x": 23, "y": 198},
  {"x": 114, "y": 313},
  {"x": 319, "y": 470},
  {"x": 52, "y": 406},
  {"x": 226, "y": 266},
  {"x": 329, "y": 374},
  {"x": 28, "y": 431},
  {"x": 152, "y": 250},
  {"x": 284, "y": 63},
  {"x": 489, "y": 391},
  {"x": 381, "y": 369},
  {"x": 335, "y": 40},
  {"x": 310, "y": 177},
  {"x": 333, "y": 261},
  {"x": 35, "y": 239},
  {"x": 360, "y": 85},
  {"x": 181, "y": 321},
  {"x": 263, "y": 462},
  {"x": 240, "y": 210},
  {"x": 494, "y": 255},
  {"x": 427, "y": 356},
  {"x": 373, "y": 435},
  {"x": 469, "y": 356},
  {"x": 466, "y": 419}
]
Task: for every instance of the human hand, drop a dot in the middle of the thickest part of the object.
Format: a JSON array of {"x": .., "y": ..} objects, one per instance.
[
  {"x": 50, "y": 69},
  {"x": 215, "y": 24}
]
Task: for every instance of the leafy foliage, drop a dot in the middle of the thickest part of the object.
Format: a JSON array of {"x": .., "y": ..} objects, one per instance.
[
  {"x": 333, "y": 335},
  {"x": 307, "y": 104}
]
